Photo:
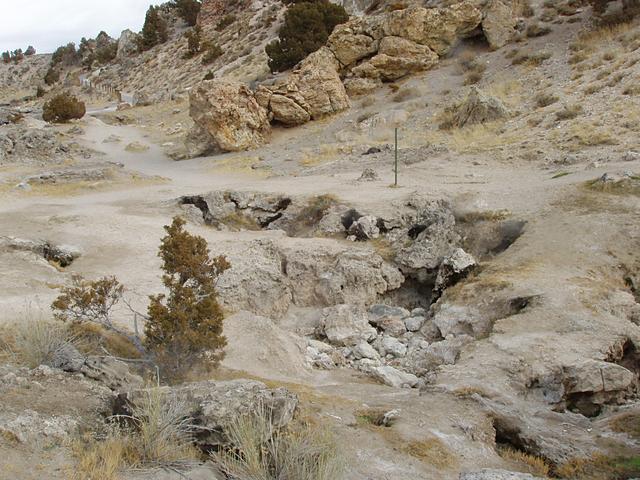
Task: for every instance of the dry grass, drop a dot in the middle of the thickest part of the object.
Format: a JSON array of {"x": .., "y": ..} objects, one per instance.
[
  {"x": 238, "y": 221},
  {"x": 569, "y": 112},
  {"x": 159, "y": 434},
  {"x": 584, "y": 134},
  {"x": 599, "y": 467},
  {"x": 481, "y": 138},
  {"x": 311, "y": 214},
  {"x": 383, "y": 248},
  {"x": 263, "y": 452},
  {"x": 370, "y": 416},
  {"x": 407, "y": 93},
  {"x": 93, "y": 339},
  {"x": 544, "y": 99},
  {"x": 431, "y": 451},
  {"x": 531, "y": 59},
  {"x": 34, "y": 341},
  {"x": 530, "y": 463},
  {"x": 625, "y": 186},
  {"x": 628, "y": 423}
]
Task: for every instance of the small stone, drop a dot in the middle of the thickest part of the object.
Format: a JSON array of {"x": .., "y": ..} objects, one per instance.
[{"x": 413, "y": 324}]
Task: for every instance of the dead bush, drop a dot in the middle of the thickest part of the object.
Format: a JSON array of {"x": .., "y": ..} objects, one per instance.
[
  {"x": 544, "y": 99},
  {"x": 569, "y": 112}
]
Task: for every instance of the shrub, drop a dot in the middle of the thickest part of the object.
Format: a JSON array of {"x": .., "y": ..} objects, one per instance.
[
  {"x": 65, "y": 55},
  {"x": 261, "y": 451},
  {"x": 569, "y": 112},
  {"x": 212, "y": 52},
  {"x": 306, "y": 28},
  {"x": 40, "y": 91},
  {"x": 62, "y": 108},
  {"x": 186, "y": 324},
  {"x": 544, "y": 99},
  {"x": 30, "y": 51},
  {"x": 225, "y": 22},
  {"x": 92, "y": 302},
  {"x": 154, "y": 30},
  {"x": 188, "y": 10},
  {"x": 209, "y": 75},
  {"x": 107, "y": 53},
  {"x": 194, "y": 37},
  {"x": 17, "y": 55},
  {"x": 6, "y": 57},
  {"x": 52, "y": 76}
]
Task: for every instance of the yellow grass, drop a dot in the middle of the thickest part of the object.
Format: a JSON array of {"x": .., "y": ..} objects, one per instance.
[{"x": 530, "y": 463}]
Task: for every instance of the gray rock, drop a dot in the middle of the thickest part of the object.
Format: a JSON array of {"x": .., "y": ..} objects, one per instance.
[
  {"x": 392, "y": 346},
  {"x": 414, "y": 324},
  {"x": 346, "y": 325},
  {"x": 365, "y": 350},
  {"x": 453, "y": 268},
  {"x": 67, "y": 358},
  {"x": 393, "y": 377},
  {"x": 110, "y": 372},
  {"x": 213, "y": 405},
  {"x": 631, "y": 156},
  {"x": 365, "y": 228}
]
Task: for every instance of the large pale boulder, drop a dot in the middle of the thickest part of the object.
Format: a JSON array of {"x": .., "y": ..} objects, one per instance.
[
  {"x": 346, "y": 325},
  {"x": 355, "y": 40},
  {"x": 436, "y": 28},
  {"x": 398, "y": 57},
  {"x": 499, "y": 23},
  {"x": 229, "y": 114},
  {"x": 315, "y": 86}
]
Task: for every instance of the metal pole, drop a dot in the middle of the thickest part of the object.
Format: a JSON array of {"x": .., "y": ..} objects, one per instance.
[{"x": 396, "y": 161}]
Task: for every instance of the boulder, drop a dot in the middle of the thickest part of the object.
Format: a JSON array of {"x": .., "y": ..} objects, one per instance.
[
  {"x": 477, "y": 107},
  {"x": 356, "y": 86},
  {"x": 393, "y": 377},
  {"x": 352, "y": 41},
  {"x": 365, "y": 228},
  {"x": 436, "y": 28},
  {"x": 314, "y": 85},
  {"x": 345, "y": 325},
  {"x": 365, "y": 350},
  {"x": 214, "y": 404},
  {"x": 398, "y": 57},
  {"x": 127, "y": 44},
  {"x": 258, "y": 346},
  {"x": 229, "y": 114},
  {"x": 499, "y": 22},
  {"x": 453, "y": 268},
  {"x": 392, "y": 346},
  {"x": 414, "y": 323},
  {"x": 255, "y": 282},
  {"x": 111, "y": 372}
]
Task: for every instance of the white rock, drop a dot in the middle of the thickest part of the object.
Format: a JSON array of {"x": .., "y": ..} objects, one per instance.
[{"x": 394, "y": 377}]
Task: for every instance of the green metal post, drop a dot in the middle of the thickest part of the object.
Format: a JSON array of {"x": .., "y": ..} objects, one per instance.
[{"x": 396, "y": 162}]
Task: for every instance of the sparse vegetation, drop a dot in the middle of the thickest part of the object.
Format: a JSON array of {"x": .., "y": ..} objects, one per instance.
[
  {"x": 306, "y": 28},
  {"x": 158, "y": 433},
  {"x": 212, "y": 52},
  {"x": 225, "y": 22},
  {"x": 194, "y": 40},
  {"x": 534, "y": 465},
  {"x": 62, "y": 108},
  {"x": 186, "y": 325},
  {"x": 261, "y": 451},
  {"x": 544, "y": 99},
  {"x": 569, "y": 112}
]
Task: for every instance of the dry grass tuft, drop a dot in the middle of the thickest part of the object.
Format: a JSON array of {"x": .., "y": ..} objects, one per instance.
[
  {"x": 431, "y": 451},
  {"x": 625, "y": 186},
  {"x": 239, "y": 221},
  {"x": 312, "y": 213},
  {"x": 93, "y": 339},
  {"x": 159, "y": 434},
  {"x": 628, "y": 423},
  {"x": 569, "y": 112},
  {"x": 532, "y": 464},
  {"x": 34, "y": 341},
  {"x": 599, "y": 467},
  {"x": 261, "y": 451},
  {"x": 544, "y": 99}
]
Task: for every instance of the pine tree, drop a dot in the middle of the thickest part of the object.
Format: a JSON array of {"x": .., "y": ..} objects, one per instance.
[{"x": 185, "y": 325}]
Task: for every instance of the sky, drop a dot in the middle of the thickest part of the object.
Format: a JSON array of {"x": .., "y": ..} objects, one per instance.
[{"x": 47, "y": 24}]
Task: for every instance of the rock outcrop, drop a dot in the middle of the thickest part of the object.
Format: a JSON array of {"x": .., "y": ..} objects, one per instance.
[
  {"x": 127, "y": 44},
  {"x": 214, "y": 405},
  {"x": 312, "y": 91},
  {"x": 477, "y": 107},
  {"x": 229, "y": 115}
]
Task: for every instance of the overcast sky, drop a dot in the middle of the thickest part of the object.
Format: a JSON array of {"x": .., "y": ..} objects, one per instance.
[{"x": 47, "y": 24}]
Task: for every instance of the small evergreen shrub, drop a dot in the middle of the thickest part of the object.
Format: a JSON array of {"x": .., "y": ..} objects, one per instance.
[
  {"x": 52, "y": 76},
  {"x": 186, "y": 324},
  {"x": 67, "y": 55},
  {"x": 62, "y": 108},
  {"x": 212, "y": 52},
  {"x": 188, "y": 10},
  {"x": 306, "y": 28},
  {"x": 194, "y": 42},
  {"x": 225, "y": 22},
  {"x": 30, "y": 51},
  {"x": 6, "y": 57}
]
